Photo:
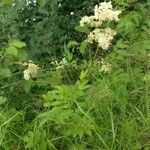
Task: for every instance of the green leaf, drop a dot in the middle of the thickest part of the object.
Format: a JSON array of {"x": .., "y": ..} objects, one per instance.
[
  {"x": 22, "y": 55},
  {"x": 1, "y": 53},
  {"x": 138, "y": 46},
  {"x": 146, "y": 44},
  {"x": 28, "y": 139},
  {"x": 77, "y": 147},
  {"x": 121, "y": 44},
  {"x": 67, "y": 54},
  {"x": 83, "y": 47},
  {"x": 147, "y": 77},
  {"x": 5, "y": 72},
  {"x": 72, "y": 44},
  {"x": 12, "y": 51},
  {"x": 8, "y": 2},
  {"x": 17, "y": 43},
  {"x": 57, "y": 114},
  {"x": 2, "y": 100},
  {"x": 81, "y": 126},
  {"x": 83, "y": 74},
  {"x": 28, "y": 85},
  {"x": 83, "y": 29},
  {"x": 41, "y": 3}
]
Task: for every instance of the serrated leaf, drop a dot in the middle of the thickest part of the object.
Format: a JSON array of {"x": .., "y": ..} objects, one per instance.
[
  {"x": 83, "y": 29},
  {"x": 83, "y": 74}
]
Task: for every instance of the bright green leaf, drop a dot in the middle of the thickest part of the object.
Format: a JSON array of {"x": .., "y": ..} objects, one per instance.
[
  {"x": 12, "y": 51},
  {"x": 147, "y": 77},
  {"x": 2, "y": 100},
  {"x": 83, "y": 47},
  {"x": 8, "y": 2},
  {"x": 17, "y": 43},
  {"x": 72, "y": 44},
  {"x": 83, "y": 29}
]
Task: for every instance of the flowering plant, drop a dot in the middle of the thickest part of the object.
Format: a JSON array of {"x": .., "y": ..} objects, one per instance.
[{"x": 102, "y": 13}]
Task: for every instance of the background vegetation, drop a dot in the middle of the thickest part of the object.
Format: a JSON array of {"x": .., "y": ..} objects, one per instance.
[{"x": 77, "y": 107}]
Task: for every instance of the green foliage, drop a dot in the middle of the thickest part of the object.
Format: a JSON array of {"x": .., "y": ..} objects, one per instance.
[
  {"x": 82, "y": 29},
  {"x": 73, "y": 103}
]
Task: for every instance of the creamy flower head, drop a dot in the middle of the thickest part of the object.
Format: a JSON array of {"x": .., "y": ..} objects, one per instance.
[
  {"x": 26, "y": 74},
  {"x": 102, "y": 36},
  {"x": 31, "y": 71},
  {"x": 87, "y": 20},
  {"x": 61, "y": 64},
  {"x": 105, "y": 5},
  {"x": 105, "y": 12},
  {"x": 102, "y": 12},
  {"x": 105, "y": 66}
]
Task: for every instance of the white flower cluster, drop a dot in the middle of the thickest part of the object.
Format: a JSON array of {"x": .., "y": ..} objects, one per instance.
[
  {"x": 102, "y": 36},
  {"x": 31, "y": 70},
  {"x": 90, "y": 20},
  {"x": 61, "y": 64},
  {"x": 105, "y": 66},
  {"x": 102, "y": 12},
  {"x": 105, "y": 12}
]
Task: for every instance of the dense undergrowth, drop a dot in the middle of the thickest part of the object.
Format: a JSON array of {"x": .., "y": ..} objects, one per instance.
[{"x": 62, "y": 88}]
